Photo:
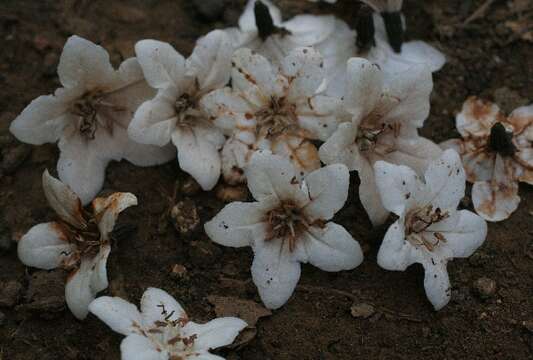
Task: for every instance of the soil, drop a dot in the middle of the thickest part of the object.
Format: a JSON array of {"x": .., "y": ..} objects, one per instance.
[{"x": 491, "y": 318}]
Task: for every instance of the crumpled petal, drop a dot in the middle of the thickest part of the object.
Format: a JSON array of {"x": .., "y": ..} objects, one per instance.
[
  {"x": 83, "y": 285},
  {"x": 216, "y": 333},
  {"x": 106, "y": 210},
  {"x": 83, "y": 63},
  {"x": 120, "y": 315},
  {"x": 44, "y": 246},
  {"x": 477, "y": 117},
  {"x": 234, "y": 156},
  {"x": 162, "y": 65},
  {"x": 332, "y": 248},
  {"x": 157, "y": 304},
  {"x": 138, "y": 347},
  {"x": 64, "y": 201},
  {"x": 198, "y": 153},
  {"x": 478, "y": 164}
]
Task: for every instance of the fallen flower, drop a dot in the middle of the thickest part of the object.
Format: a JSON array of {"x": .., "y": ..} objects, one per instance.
[
  {"x": 273, "y": 110},
  {"x": 430, "y": 230},
  {"x": 288, "y": 225},
  {"x": 89, "y": 116},
  {"x": 174, "y": 114},
  {"x": 162, "y": 329},
  {"x": 497, "y": 153},
  {"x": 79, "y": 241},
  {"x": 386, "y": 116}
]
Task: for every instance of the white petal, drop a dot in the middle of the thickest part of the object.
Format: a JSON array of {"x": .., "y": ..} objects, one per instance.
[
  {"x": 327, "y": 190},
  {"x": 86, "y": 282},
  {"x": 64, "y": 201},
  {"x": 106, "y": 210},
  {"x": 332, "y": 248},
  {"x": 415, "y": 152},
  {"x": 421, "y": 52},
  {"x": 364, "y": 86},
  {"x": 235, "y": 155},
  {"x": 138, "y": 347},
  {"x": 161, "y": 64},
  {"x": 446, "y": 181},
  {"x": 320, "y": 116},
  {"x": 310, "y": 30},
  {"x": 210, "y": 62},
  {"x": 370, "y": 194},
  {"x": 477, "y": 117},
  {"x": 275, "y": 273},
  {"x": 302, "y": 152},
  {"x": 216, "y": 333},
  {"x": 156, "y": 305},
  {"x": 42, "y": 121},
  {"x": 464, "y": 232},
  {"x": 225, "y": 106},
  {"x": 269, "y": 174},
  {"x": 341, "y": 148},
  {"x": 437, "y": 283},
  {"x": 399, "y": 186},
  {"x": 247, "y": 19},
  {"x": 44, "y": 246},
  {"x": 120, "y": 315},
  {"x": 84, "y": 63},
  {"x": 198, "y": 153},
  {"x": 305, "y": 67},
  {"x": 234, "y": 224},
  {"x": 395, "y": 252}
]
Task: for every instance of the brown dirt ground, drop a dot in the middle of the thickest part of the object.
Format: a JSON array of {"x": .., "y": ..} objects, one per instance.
[{"x": 484, "y": 58}]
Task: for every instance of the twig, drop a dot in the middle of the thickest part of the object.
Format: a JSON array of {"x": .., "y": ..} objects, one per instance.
[{"x": 480, "y": 12}]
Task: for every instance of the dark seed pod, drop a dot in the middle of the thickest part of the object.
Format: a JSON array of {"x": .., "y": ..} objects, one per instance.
[
  {"x": 263, "y": 20},
  {"x": 364, "y": 27},
  {"x": 501, "y": 141},
  {"x": 394, "y": 28}
]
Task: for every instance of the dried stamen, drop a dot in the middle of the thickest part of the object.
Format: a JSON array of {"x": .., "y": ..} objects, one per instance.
[
  {"x": 88, "y": 108},
  {"x": 265, "y": 23},
  {"x": 501, "y": 141},
  {"x": 394, "y": 28},
  {"x": 418, "y": 221},
  {"x": 365, "y": 29},
  {"x": 278, "y": 117}
]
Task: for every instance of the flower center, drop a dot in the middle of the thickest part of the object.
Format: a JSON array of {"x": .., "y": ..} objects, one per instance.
[
  {"x": 87, "y": 241},
  {"x": 501, "y": 141},
  {"x": 369, "y": 134},
  {"x": 186, "y": 109},
  {"x": 89, "y": 108},
  {"x": 277, "y": 117},
  {"x": 418, "y": 221}
]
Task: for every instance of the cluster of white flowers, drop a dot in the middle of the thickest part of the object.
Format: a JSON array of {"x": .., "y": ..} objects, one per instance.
[{"x": 267, "y": 103}]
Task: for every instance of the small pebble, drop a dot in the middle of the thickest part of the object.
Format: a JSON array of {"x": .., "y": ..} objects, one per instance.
[
  {"x": 485, "y": 287},
  {"x": 184, "y": 216},
  {"x": 9, "y": 293},
  {"x": 362, "y": 310},
  {"x": 528, "y": 325},
  {"x": 178, "y": 271}
]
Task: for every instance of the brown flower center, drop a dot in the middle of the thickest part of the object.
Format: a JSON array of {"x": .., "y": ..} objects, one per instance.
[
  {"x": 418, "y": 221},
  {"x": 369, "y": 134},
  {"x": 186, "y": 107},
  {"x": 87, "y": 242},
  {"x": 277, "y": 117}
]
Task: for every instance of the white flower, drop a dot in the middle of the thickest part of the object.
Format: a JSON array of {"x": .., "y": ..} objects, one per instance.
[
  {"x": 174, "y": 114},
  {"x": 385, "y": 119},
  {"x": 78, "y": 241},
  {"x": 430, "y": 230},
  {"x": 262, "y": 29},
  {"x": 89, "y": 117},
  {"x": 162, "y": 330},
  {"x": 274, "y": 110},
  {"x": 497, "y": 152},
  {"x": 288, "y": 225}
]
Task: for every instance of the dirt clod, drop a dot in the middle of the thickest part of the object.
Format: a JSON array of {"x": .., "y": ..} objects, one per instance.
[
  {"x": 209, "y": 9},
  {"x": 190, "y": 187},
  {"x": 203, "y": 253},
  {"x": 362, "y": 310},
  {"x": 184, "y": 217},
  {"x": 485, "y": 288},
  {"x": 14, "y": 157},
  {"x": 5, "y": 235},
  {"x": 178, "y": 271},
  {"x": 9, "y": 293}
]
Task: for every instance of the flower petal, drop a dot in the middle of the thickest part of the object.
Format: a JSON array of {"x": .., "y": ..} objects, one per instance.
[
  {"x": 83, "y": 285},
  {"x": 332, "y": 248},
  {"x": 198, "y": 153},
  {"x": 64, "y": 201},
  {"x": 364, "y": 87},
  {"x": 225, "y": 106},
  {"x": 210, "y": 62},
  {"x": 370, "y": 194},
  {"x": 446, "y": 181},
  {"x": 275, "y": 273},
  {"x": 341, "y": 148},
  {"x": 437, "y": 283},
  {"x": 414, "y": 151},
  {"x": 121, "y": 316},
  {"x": 106, "y": 210},
  {"x": 83, "y": 63},
  {"x": 216, "y": 333},
  {"x": 162, "y": 66},
  {"x": 477, "y": 117},
  {"x": 234, "y": 156},
  {"x": 305, "y": 67},
  {"x": 328, "y": 191},
  {"x": 395, "y": 252},
  {"x": 234, "y": 224},
  {"x": 319, "y": 116},
  {"x": 44, "y": 246},
  {"x": 302, "y": 153},
  {"x": 421, "y": 52},
  {"x": 310, "y": 30},
  {"x": 138, "y": 347},
  {"x": 156, "y": 305}
]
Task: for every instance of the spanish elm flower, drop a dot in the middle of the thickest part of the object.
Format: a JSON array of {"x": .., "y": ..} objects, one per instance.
[
  {"x": 267, "y": 109},
  {"x": 162, "y": 329},
  {"x": 89, "y": 116},
  {"x": 385, "y": 119},
  {"x": 79, "y": 241},
  {"x": 430, "y": 230},
  {"x": 497, "y": 153},
  {"x": 174, "y": 114},
  {"x": 288, "y": 224}
]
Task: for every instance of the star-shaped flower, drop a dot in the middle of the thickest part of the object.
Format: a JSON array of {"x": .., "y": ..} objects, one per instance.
[
  {"x": 274, "y": 110},
  {"x": 288, "y": 225},
  {"x": 89, "y": 116},
  {"x": 386, "y": 114},
  {"x": 162, "y": 330},
  {"x": 497, "y": 153},
  {"x": 430, "y": 230},
  {"x": 174, "y": 114},
  {"x": 79, "y": 241}
]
